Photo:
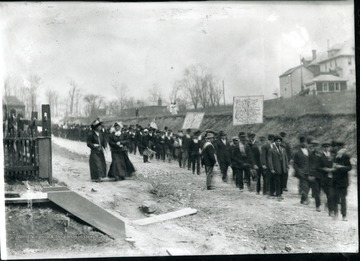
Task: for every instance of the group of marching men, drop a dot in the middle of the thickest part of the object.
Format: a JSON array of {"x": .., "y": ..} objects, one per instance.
[{"x": 318, "y": 166}]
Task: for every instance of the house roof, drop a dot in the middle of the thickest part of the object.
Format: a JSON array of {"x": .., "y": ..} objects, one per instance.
[
  {"x": 326, "y": 78},
  {"x": 290, "y": 71},
  {"x": 12, "y": 100},
  {"x": 342, "y": 49}
]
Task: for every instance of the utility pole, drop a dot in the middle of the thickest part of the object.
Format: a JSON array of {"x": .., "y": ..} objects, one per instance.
[{"x": 223, "y": 91}]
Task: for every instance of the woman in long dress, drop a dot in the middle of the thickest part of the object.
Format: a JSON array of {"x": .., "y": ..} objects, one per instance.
[
  {"x": 97, "y": 143},
  {"x": 121, "y": 165}
]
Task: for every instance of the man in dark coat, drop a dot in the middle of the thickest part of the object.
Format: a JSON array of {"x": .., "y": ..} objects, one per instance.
[
  {"x": 241, "y": 160},
  {"x": 194, "y": 153},
  {"x": 315, "y": 171},
  {"x": 145, "y": 145},
  {"x": 286, "y": 145},
  {"x": 185, "y": 150},
  {"x": 264, "y": 156},
  {"x": 327, "y": 162},
  {"x": 169, "y": 145},
  {"x": 301, "y": 167},
  {"x": 279, "y": 165},
  {"x": 342, "y": 166},
  {"x": 97, "y": 143},
  {"x": 208, "y": 159},
  {"x": 222, "y": 147},
  {"x": 255, "y": 155}
]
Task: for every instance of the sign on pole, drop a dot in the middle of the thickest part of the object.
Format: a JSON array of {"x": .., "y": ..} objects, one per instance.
[
  {"x": 193, "y": 120},
  {"x": 248, "y": 110}
]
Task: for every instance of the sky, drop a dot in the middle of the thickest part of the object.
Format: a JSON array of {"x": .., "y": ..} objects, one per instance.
[{"x": 245, "y": 44}]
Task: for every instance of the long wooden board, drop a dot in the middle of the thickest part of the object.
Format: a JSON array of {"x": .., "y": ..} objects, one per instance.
[
  {"x": 89, "y": 212},
  {"x": 51, "y": 189},
  {"x": 164, "y": 217},
  {"x": 35, "y": 197}
]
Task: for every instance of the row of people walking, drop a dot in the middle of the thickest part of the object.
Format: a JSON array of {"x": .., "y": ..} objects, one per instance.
[{"x": 266, "y": 161}]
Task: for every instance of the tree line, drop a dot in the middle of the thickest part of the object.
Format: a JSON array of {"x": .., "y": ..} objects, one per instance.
[{"x": 197, "y": 88}]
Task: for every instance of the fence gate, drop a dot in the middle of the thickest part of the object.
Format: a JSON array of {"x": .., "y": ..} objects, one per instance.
[{"x": 27, "y": 151}]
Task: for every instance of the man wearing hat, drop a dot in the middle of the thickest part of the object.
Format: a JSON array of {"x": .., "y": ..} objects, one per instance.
[
  {"x": 264, "y": 159},
  {"x": 185, "y": 150},
  {"x": 208, "y": 159},
  {"x": 326, "y": 164},
  {"x": 286, "y": 145},
  {"x": 278, "y": 165},
  {"x": 341, "y": 167},
  {"x": 241, "y": 160},
  {"x": 145, "y": 145},
  {"x": 315, "y": 171},
  {"x": 194, "y": 152},
  {"x": 255, "y": 154},
  {"x": 222, "y": 147},
  {"x": 97, "y": 143},
  {"x": 301, "y": 167}
]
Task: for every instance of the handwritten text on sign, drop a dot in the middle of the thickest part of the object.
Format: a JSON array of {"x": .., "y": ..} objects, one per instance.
[
  {"x": 248, "y": 110},
  {"x": 193, "y": 120}
]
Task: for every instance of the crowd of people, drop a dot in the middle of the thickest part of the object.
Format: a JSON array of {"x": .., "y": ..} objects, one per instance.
[{"x": 264, "y": 160}]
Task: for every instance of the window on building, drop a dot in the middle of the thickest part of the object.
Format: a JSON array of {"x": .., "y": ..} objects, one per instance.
[
  {"x": 337, "y": 86},
  {"x": 325, "y": 87}
]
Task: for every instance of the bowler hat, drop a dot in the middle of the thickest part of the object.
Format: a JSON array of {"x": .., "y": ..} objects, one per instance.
[
  {"x": 278, "y": 138},
  {"x": 326, "y": 144},
  {"x": 235, "y": 138},
  {"x": 251, "y": 134},
  {"x": 95, "y": 123},
  {"x": 283, "y": 134},
  {"x": 314, "y": 142},
  {"x": 242, "y": 134},
  {"x": 271, "y": 136},
  {"x": 210, "y": 135},
  {"x": 338, "y": 143}
]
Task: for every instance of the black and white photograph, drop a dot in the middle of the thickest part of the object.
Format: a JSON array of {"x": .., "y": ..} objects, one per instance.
[{"x": 162, "y": 129}]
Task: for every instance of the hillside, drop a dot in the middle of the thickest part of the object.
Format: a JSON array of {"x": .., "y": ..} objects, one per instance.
[{"x": 321, "y": 126}]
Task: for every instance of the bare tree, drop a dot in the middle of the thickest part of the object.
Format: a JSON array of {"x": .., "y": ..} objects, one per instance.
[
  {"x": 215, "y": 91},
  {"x": 72, "y": 93},
  {"x": 7, "y": 87},
  {"x": 78, "y": 96},
  {"x": 92, "y": 103},
  {"x": 121, "y": 91},
  {"x": 52, "y": 96},
  {"x": 130, "y": 102},
  {"x": 154, "y": 94},
  {"x": 177, "y": 86},
  {"x": 33, "y": 83}
]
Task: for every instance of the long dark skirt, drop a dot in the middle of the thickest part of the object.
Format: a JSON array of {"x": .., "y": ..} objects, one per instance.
[
  {"x": 97, "y": 165},
  {"x": 121, "y": 165}
]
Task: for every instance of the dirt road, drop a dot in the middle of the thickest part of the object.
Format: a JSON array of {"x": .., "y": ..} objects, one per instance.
[{"x": 227, "y": 222}]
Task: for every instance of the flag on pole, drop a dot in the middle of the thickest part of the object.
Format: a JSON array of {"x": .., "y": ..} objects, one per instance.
[{"x": 153, "y": 124}]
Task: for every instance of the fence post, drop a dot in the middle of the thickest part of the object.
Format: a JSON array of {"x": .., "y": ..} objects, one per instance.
[{"x": 44, "y": 143}]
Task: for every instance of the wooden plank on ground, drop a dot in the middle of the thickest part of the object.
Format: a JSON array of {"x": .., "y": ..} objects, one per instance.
[
  {"x": 164, "y": 217},
  {"x": 89, "y": 212},
  {"x": 33, "y": 197},
  {"x": 177, "y": 252},
  {"x": 11, "y": 194},
  {"x": 50, "y": 189}
]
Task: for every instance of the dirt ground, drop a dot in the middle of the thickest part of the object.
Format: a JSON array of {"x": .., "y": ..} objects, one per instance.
[{"x": 227, "y": 222}]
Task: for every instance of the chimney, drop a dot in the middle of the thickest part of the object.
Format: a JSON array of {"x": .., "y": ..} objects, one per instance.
[{"x": 313, "y": 54}]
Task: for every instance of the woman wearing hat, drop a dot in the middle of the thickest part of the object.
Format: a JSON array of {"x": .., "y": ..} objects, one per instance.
[
  {"x": 97, "y": 143},
  {"x": 121, "y": 165}
]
